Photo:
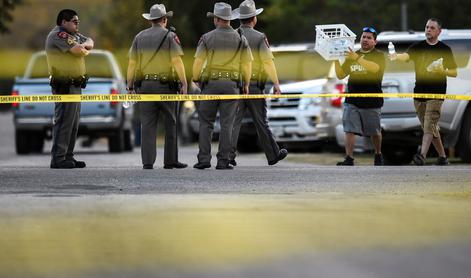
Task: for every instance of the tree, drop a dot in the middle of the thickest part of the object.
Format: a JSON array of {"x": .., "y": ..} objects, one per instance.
[{"x": 5, "y": 13}]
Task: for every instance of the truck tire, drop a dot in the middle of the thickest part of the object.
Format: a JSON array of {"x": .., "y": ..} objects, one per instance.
[
  {"x": 398, "y": 155},
  {"x": 36, "y": 141},
  {"x": 464, "y": 143},
  {"x": 116, "y": 141},
  {"x": 22, "y": 142},
  {"x": 128, "y": 144}
]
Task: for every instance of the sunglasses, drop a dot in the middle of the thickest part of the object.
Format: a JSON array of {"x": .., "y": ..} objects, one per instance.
[{"x": 369, "y": 30}]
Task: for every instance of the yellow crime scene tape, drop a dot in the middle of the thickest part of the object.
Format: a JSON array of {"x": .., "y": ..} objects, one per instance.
[{"x": 200, "y": 97}]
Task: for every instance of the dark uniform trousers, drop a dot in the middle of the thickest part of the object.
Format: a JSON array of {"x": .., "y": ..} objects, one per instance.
[
  {"x": 149, "y": 114},
  {"x": 258, "y": 110},
  {"x": 207, "y": 111},
  {"x": 65, "y": 128}
]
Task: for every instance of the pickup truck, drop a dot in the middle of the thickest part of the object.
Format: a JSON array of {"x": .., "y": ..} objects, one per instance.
[
  {"x": 402, "y": 133},
  {"x": 33, "y": 121},
  {"x": 305, "y": 122}
]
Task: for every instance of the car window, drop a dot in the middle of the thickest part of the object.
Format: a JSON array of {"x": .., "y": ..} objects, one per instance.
[
  {"x": 461, "y": 50},
  {"x": 39, "y": 69},
  {"x": 300, "y": 65},
  {"x": 97, "y": 64}
]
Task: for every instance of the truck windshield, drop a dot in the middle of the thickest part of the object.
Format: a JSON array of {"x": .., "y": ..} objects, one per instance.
[
  {"x": 461, "y": 50},
  {"x": 97, "y": 64}
]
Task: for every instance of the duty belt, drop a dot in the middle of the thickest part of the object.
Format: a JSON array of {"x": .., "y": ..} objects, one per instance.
[
  {"x": 78, "y": 81},
  {"x": 217, "y": 74},
  {"x": 162, "y": 77}
]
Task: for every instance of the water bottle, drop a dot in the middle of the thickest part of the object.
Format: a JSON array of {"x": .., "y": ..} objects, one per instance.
[{"x": 392, "y": 51}]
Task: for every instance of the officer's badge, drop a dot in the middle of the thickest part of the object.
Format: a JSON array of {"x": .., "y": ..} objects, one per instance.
[
  {"x": 63, "y": 35},
  {"x": 177, "y": 40},
  {"x": 71, "y": 40}
]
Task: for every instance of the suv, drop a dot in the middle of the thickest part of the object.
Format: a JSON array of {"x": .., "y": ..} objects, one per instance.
[{"x": 402, "y": 133}]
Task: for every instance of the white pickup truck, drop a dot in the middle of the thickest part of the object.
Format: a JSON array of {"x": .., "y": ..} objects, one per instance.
[
  {"x": 33, "y": 121},
  {"x": 305, "y": 122}
]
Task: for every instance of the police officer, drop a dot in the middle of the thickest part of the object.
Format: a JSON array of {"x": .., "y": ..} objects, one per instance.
[
  {"x": 228, "y": 62},
  {"x": 65, "y": 50},
  {"x": 154, "y": 56},
  {"x": 262, "y": 66}
]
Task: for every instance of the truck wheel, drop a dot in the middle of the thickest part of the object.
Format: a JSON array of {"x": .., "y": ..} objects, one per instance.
[
  {"x": 22, "y": 142},
  {"x": 128, "y": 144},
  {"x": 398, "y": 155},
  {"x": 464, "y": 143},
  {"x": 116, "y": 141},
  {"x": 36, "y": 142}
]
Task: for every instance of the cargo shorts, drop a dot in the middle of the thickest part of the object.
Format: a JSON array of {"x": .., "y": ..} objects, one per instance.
[
  {"x": 361, "y": 121},
  {"x": 429, "y": 113}
]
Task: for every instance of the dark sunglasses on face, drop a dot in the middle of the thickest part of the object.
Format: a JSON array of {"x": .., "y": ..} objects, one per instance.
[{"x": 369, "y": 30}]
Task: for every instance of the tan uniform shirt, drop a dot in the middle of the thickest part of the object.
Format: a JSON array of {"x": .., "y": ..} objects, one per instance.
[
  {"x": 58, "y": 44},
  {"x": 146, "y": 43},
  {"x": 259, "y": 46},
  {"x": 222, "y": 43}
]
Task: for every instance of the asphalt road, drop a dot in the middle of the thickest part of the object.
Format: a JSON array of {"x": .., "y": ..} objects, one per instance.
[{"x": 113, "y": 219}]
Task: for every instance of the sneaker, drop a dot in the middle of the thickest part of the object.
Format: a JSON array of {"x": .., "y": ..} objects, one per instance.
[
  {"x": 78, "y": 163},
  {"x": 201, "y": 165},
  {"x": 148, "y": 167},
  {"x": 442, "y": 161},
  {"x": 281, "y": 155},
  {"x": 348, "y": 161},
  {"x": 379, "y": 160},
  {"x": 177, "y": 165},
  {"x": 64, "y": 164},
  {"x": 419, "y": 159},
  {"x": 233, "y": 162}
]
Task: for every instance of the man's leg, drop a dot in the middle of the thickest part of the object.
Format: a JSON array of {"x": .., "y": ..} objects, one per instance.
[
  {"x": 75, "y": 108},
  {"x": 242, "y": 106},
  {"x": 149, "y": 118},
  {"x": 426, "y": 141},
  {"x": 207, "y": 111},
  {"x": 431, "y": 111},
  {"x": 64, "y": 114},
  {"x": 437, "y": 143},
  {"x": 170, "y": 123},
  {"x": 376, "y": 140},
  {"x": 258, "y": 109},
  {"x": 349, "y": 143},
  {"x": 227, "y": 111}
]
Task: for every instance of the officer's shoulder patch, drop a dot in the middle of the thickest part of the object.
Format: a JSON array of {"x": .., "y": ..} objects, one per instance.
[
  {"x": 201, "y": 40},
  {"x": 63, "y": 35}
]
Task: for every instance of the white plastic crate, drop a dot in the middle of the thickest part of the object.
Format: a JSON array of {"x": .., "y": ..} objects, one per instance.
[{"x": 332, "y": 41}]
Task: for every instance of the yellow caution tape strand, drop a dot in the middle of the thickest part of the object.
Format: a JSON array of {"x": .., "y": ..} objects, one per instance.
[{"x": 196, "y": 97}]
